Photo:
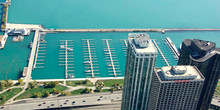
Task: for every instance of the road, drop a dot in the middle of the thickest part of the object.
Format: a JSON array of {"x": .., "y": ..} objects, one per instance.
[{"x": 100, "y": 100}]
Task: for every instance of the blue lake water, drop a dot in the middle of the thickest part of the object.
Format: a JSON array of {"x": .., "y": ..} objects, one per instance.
[{"x": 117, "y": 13}]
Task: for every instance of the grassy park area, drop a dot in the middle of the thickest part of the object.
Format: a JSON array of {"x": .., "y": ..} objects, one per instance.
[
  {"x": 86, "y": 83},
  {"x": 9, "y": 94},
  {"x": 31, "y": 92},
  {"x": 112, "y": 82}
]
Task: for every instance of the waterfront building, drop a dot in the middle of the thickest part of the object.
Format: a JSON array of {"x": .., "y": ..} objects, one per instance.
[
  {"x": 175, "y": 88},
  {"x": 206, "y": 57},
  {"x": 140, "y": 61}
]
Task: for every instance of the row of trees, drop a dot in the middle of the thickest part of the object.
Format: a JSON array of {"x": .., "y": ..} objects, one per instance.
[
  {"x": 4, "y": 16},
  {"x": 50, "y": 84},
  {"x": 83, "y": 82}
]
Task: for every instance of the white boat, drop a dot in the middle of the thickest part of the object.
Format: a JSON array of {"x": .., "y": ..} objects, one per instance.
[
  {"x": 86, "y": 62},
  {"x": 42, "y": 40},
  {"x": 69, "y": 49},
  {"x": 105, "y": 50},
  {"x": 70, "y": 76},
  {"x": 107, "y": 53},
  {"x": 31, "y": 44},
  {"x": 62, "y": 46},
  {"x": 88, "y": 71},
  {"x": 109, "y": 65}
]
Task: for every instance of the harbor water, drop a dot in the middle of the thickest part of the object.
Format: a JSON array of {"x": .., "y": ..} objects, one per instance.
[{"x": 61, "y": 14}]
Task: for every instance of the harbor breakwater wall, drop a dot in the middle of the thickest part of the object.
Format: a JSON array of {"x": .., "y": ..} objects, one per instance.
[{"x": 129, "y": 30}]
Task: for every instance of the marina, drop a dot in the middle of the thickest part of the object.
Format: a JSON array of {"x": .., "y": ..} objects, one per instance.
[
  {"x": 66, "y": 57},
  {"x": 161, "y": 53},
  {"x": 90, "y": 58},
  {"x": 40, "y": 55},
  {"x": 111, "y": 58},
  {"x": 124, "y": 45},
  {"x": 48, "y": 56}
]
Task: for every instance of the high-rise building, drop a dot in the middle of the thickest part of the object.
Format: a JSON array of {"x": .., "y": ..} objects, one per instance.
[
  {"x": 206, "y": 57},
  {"x": 140, "y": 61},
  {"x": 175, "y": 88}
]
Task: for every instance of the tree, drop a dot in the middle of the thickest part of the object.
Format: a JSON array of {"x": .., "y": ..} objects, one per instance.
[
  {"x": 50, "y": 84},
  {"x": 3, "y": 97},
  {"x": 55, "y": 91},
  {"x": 116, "y": 84},
  {"x": 46, "y": 94},
  {"x": 20, "y": 81},
  {"x": 98, "y": 89},
  {"x": 37, "y": 95},
  {"x": 87, "y": 90},
  {"x": 2, "y": 85},
  {"x": 86, "y": 81},
  {"x": 10, "y": 82},
  {"x": 9, "y": 90},
  {"x": 32, "y": 85}
]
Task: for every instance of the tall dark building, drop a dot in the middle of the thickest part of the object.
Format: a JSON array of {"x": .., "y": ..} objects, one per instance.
[{"x": 206, "y": 57}]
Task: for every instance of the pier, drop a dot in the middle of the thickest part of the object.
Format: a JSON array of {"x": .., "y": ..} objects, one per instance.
[
  {"x": 66, "y": 51},
  {"x": 89, "y": 52},
  {"x": 111, "y": 57},
  {"x": 124, "y": 45},
  {"x": 40, "y": 54},
  {"x": 162, "y": 30},
  {"x": 171, "y": 45},
  {"x": 158, "y": 48},
  {"x": 27, "y": 77}
]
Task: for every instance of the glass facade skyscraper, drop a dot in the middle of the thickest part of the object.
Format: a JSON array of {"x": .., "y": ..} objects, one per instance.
[
  {"x": 140, "y": 61},
  {"x": 206, "y": 57},
  {"x": 175, "y": 88}
]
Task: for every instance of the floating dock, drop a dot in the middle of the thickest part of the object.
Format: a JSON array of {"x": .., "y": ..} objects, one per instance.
[
  {"x": 161, "y": 53},
  {"x": 66, "y": 57},
  {"x": 111, "y": 59},
  {"x": 90, "y": 58}
]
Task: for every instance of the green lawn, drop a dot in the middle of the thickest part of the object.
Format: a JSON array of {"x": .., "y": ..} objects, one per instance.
[
  {"x": 9, "y": 95},
  {"x": 76, "y": 92},
  {"x": 217, "y": 90},
  {"x": 110, "y": 83},
  {"x": 74, "y": 84},
  {"x": 30, "y": 93}
]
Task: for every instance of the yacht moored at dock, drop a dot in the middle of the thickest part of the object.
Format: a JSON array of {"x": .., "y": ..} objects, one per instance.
[{"x": 172, "y": 46}]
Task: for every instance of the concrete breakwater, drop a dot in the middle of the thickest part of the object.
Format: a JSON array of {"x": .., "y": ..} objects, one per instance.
[{"x": 129, "y": 30}]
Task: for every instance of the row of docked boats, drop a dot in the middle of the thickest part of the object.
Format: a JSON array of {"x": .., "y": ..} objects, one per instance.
[{"x": 63, "y": 47}]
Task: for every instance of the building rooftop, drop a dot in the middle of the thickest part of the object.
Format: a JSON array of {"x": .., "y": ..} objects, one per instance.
[
  {"x": 141, "y": 43},
  {"x": 180, "y": 72}
]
